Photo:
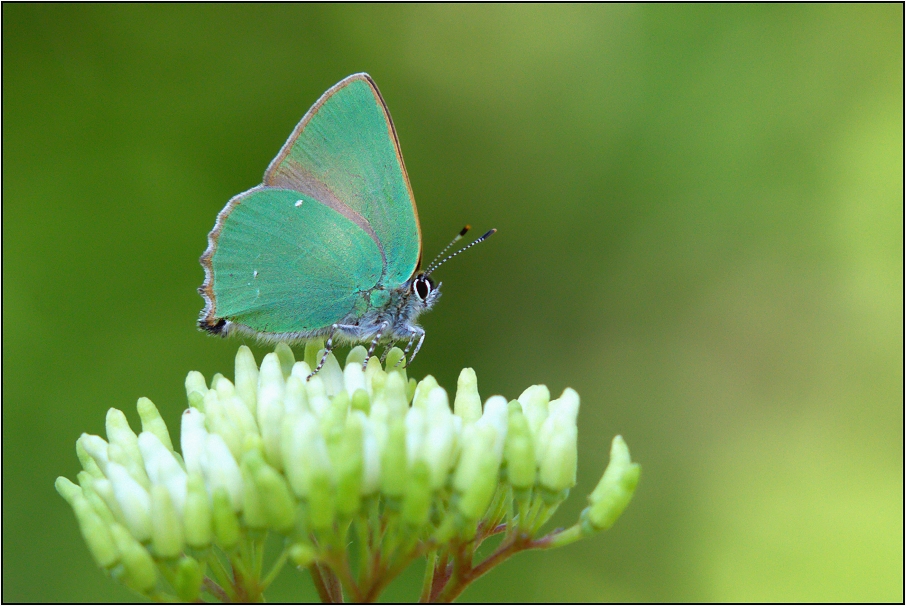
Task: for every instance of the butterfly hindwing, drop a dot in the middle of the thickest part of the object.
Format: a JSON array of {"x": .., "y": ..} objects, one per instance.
[
  {"x": 284, "y": 263},
  {"x": 345, "y": 153}
]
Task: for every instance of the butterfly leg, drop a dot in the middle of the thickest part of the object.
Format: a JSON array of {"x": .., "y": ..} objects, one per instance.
[
  {"x": 415, "y": 331},
  {"x": 374, "y": 343},
  {"x": 329, "y": 346},
  {"x": 387, "y": 351},
  {"x": 406, "y": 351}
]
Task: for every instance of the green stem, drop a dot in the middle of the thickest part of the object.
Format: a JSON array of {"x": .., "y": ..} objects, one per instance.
[
  {"x": 560, "y": 538},
  {"x": 428, "y": 581},
  {"x": 223, "y": 577},
  {"x": 275, "y": 569}
]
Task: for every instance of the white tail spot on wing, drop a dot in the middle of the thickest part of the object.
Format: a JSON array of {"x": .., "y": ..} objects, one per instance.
[{"x": 299, "y": 203}]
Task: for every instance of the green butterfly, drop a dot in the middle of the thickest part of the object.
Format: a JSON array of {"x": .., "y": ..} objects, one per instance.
[{"x": 329, "y": 245}]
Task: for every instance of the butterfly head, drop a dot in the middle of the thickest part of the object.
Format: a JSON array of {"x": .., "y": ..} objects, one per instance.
[{"x": 425, "y": 290}]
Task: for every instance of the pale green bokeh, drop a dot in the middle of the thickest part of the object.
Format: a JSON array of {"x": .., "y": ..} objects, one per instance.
[{"x": 700, "y": 214}]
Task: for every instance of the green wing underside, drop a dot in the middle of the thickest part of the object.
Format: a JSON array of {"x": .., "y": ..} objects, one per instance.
[
  {"x": 285, "y": 262},
  {"x": 344, "y": 152}
]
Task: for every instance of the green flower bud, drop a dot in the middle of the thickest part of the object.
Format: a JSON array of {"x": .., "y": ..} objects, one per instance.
[
  {"x": 218, "y": 421},
  {"x": 558, "y": 467},
  {"x": 67, "y": 489},
  {"x": 166, "y": 527},
  {"x": 87, "y": 461},
  {"x": 566, "y": 406},
  {"x": 417, "y": 500},
  {"x": 519, "y": 450},
  {"x": 303, "y": 554},
  {"x": 247, "y": 378},
  {"x": 152, "y": 422},
  {"x": 396, "y": 360},
  {"x": 96, "y": 448},
  {"x": 253, "y": 509},
  {"x": 393, "y": 461},
  {"x": 375, "y": 380},
  {"x": 198, "y": 522},
  {"x": 103, "y": 488},
  {"x": 94, "y": 499},
  {"x": 476, "y": 473},
  {"x": 495, "y": 415},
  {"x": 303, "y": 450},
  {"x": 422, "y": 389},
  {"x": 196, "y": 388},
  {"x": 395, "y": 394},
  {"x": 189, "y": 577},
  {"x": 273, "y": 493},
  {"x": 223, "y": 386},
  {"x": 139, "y": 571},
  {"x": 321, "y": 509},
  {"x": 312, "y": 350},
  {"x": 356, "y": 356},
  {"x": 124, "y": 446},
  {"x": 333, "y": 419},
  {"x": 612, "y": 494},
  {"x": 226, "y": 524},
  {"x": 348, "y": 464},
  {"x": 440, "y": 439},
  {"x": 360, "y": 399},
  {"x": 96, "y": 533},
  {"x": 467, "y": 403},
  {"x": 285, "y": 356},
  {"x": 331, "y": 374},
  {"x": 534, "y": 402}
]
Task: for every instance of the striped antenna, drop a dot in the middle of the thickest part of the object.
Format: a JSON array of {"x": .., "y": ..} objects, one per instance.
[
  {"x": 458, "y": 237},
  {"x": 434, "y": 265}
]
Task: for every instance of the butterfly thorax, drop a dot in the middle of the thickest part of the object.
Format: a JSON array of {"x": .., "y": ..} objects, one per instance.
[{"x": 392, "y": 314}]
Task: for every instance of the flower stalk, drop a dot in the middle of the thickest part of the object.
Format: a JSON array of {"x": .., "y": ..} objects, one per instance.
[{"x": 357, "y": 473}]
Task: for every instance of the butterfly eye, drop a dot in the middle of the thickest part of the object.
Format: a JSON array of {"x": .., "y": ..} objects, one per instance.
[{"x": 422, "y": 287}]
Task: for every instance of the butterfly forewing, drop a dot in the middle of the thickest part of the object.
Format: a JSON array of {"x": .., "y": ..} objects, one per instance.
[{"x": 345, "y": 154}]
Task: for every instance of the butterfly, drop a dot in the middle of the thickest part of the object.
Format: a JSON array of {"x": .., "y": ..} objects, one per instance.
[{"x": 329, "y": 245}]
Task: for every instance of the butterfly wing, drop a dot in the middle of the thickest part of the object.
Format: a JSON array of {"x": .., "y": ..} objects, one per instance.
[
  {"x": 345, "y": 154},
  {"x": 285, "y": 264}
]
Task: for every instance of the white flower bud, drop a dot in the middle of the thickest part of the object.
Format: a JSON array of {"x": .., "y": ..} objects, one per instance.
[
  {"x": 221, "y": 470},
  {"x": 467, "y": 403},
  {"x": 192, "y": 438},
  {"x": 247, "y": 378},
  {"x": 163, "y": 468},
  {"x": 134, "y": 501}
]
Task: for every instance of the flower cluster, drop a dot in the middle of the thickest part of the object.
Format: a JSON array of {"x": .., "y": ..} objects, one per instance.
[{"x": 358, "y": 471}]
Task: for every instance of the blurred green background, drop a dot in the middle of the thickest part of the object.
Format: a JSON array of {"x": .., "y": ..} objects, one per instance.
[{"x": 701, "y": 231}]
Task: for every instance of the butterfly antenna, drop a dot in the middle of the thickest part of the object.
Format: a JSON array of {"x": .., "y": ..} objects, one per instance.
[
  {"x": 458, "y": 237},
  {"x": 434, "y": 265}
]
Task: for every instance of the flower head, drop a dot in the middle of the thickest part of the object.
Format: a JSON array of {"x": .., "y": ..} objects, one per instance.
[{"x": 369, "y": 454}]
